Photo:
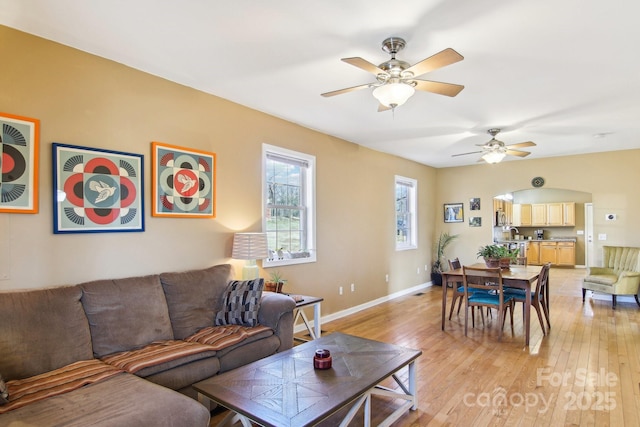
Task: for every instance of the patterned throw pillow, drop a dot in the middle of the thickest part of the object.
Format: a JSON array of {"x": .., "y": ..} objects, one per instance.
[
  {"x": 4, "y": 392},
  {"x": 241, "y": 303}
]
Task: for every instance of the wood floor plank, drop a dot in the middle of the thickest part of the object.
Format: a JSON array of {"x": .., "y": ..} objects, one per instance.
[{"x": 476, "y": 380}]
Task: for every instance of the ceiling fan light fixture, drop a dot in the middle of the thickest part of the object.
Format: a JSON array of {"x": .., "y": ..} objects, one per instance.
[
  {"x": 493, "y": 157},
  {"x": 393, "y": 94}
]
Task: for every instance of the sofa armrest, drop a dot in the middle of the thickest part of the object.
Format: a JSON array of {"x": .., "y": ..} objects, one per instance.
[
  {"x": 628, "y": 283},
  {"x": 276, "y": 312}
]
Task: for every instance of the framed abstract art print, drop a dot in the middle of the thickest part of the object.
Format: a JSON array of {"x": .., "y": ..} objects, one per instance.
[
  {"x": 19, "y": 140},
  {"x": 183, "y": 182},
  {"x": 97, "y": 190}
]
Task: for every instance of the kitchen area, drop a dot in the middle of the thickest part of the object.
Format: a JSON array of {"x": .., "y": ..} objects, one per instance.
[{"x": 544, "y": 225}]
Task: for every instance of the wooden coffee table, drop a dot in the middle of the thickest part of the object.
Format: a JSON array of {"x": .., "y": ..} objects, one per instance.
[{"x": 285, "y": 390}]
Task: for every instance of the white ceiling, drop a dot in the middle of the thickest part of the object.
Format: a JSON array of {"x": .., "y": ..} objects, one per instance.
[{"x": 556, "y": 72}]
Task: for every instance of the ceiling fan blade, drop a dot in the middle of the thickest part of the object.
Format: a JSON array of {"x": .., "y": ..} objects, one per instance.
[
  {"x": 439, "y": 60},
  {"x": 345, "y": 90},
  {"x": 464, "y": 154},
  {"x": 382, "y": 107},
  {"x": 447, "y": 89},
  {"x": 365, "y": 65},
  {"x": 518, "y": 153},
  {"x": 522, "y": 145}
]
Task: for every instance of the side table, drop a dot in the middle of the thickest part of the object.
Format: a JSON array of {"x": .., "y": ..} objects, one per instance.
[{"x": 303, "y": 301}]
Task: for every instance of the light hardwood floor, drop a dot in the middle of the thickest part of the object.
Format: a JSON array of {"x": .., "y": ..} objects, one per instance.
[{"x": 585, "y": 372}]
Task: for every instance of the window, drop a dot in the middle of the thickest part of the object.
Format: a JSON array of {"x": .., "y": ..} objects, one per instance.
[
  {"x": 406, "y": 213},
  {"x": 289, "y": 206}
]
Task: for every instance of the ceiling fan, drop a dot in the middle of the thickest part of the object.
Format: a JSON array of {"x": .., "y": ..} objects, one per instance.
[
  {"x": 494, "y": 151},
  {"x": 396, "y": 80}
]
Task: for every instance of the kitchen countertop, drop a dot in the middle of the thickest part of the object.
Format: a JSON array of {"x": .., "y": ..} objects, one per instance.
[{"x": 556, "y": 239}]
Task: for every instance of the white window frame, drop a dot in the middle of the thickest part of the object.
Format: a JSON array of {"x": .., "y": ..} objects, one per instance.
[
  {"x": 309, "y": 200},
  {"x": 412, "y": 194}
]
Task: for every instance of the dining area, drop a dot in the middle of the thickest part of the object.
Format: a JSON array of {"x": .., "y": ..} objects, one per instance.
[{"x": 494, "y": 293}]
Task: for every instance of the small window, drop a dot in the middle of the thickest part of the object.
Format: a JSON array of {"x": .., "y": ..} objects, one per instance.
[
  {"x": 406, "y": 213},
  {"x": 289, "y": 206}
]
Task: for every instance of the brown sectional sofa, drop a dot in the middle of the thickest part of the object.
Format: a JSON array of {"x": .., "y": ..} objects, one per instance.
[{"x": 124, "y": 347}]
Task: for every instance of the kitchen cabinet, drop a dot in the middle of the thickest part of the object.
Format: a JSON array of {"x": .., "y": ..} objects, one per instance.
[
  {"x": 569, "y": 213},
  {"x": 557, "y": 253},
  {"x": 533, "y": 253},
  {"x": 560, "y": 214},
  {"x": 521, "y": 214},
  {"x": 538, "y": 214},
  {"x": 548, "y": 253},
  {"x": 566, "y": 253},
  {"x": 554, "y": 214}
]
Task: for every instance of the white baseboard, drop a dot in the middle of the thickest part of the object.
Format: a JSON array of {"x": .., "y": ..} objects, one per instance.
[{"x": 343, "y": 313}]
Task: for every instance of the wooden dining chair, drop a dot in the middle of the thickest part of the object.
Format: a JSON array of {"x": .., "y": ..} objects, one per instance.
[
  {"x": 489, "y": 282},
  {"x": 538, "y": 296},
  {"x": 458, "y": 289}
]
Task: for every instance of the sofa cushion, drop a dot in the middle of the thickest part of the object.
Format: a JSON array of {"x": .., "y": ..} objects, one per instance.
[
  {"x": 194, "y": 297},
  {"x": 125, "y": 314},
  {"x": 122, "y": 400},
  {"x": 59, "y": 381},
  {"x": 42, "y": 330},
  {"x": 605, "y": 279},
  {"x": 241, "y": 303}
]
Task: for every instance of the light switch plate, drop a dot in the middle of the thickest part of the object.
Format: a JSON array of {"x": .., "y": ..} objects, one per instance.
[{"x": 602, "y": 236}]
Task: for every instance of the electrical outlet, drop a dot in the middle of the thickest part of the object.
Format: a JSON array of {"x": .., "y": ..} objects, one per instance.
[
  {"x": 340, "y": 290},
  {"x": 426, "y": 267},
  {"x": 386, "y": 278},
  {"x": 353, "y": 287},
  {"x": 418, "y": 272}
]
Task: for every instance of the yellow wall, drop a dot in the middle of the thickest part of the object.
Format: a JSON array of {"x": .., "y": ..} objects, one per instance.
[
  {"x": 84, "y": 100},
  {"x": 611, "y": 178}
]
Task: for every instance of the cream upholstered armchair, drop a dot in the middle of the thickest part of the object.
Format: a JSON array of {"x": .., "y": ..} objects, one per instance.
[{"x": 620, "y": 274}]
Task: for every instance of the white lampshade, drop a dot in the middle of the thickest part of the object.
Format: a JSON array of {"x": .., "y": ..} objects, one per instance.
[
  {"x": 493, "y": 156},
  {"x": 250, "y": 246},
  {"x": 393, "y": 94}
]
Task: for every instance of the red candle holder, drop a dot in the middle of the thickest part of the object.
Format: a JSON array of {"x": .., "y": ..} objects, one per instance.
[{"x": 322, "y": 359}]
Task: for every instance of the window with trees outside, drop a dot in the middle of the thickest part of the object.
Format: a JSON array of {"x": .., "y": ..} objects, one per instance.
[
  {"x": 406, "y": 213},
  {"x": 289, "y": 206}
]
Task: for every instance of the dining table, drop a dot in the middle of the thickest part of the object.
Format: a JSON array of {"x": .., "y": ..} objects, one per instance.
[{"x": 516, "y": 276}]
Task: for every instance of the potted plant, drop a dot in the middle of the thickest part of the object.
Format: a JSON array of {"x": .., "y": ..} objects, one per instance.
[
  {"x": 497, "y": 255},
  {"x": 438, "y": 250},
  {"x": 275, "y": 283}
]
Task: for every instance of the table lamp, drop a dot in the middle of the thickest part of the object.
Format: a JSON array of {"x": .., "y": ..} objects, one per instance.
[{"x": 250, "y": 247}]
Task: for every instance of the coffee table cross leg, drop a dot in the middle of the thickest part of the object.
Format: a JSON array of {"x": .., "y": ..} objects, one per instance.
[{"x": 233, "y": 417}]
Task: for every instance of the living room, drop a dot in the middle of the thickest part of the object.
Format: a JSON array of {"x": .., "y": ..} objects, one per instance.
[{"x": 89, "y": 101}]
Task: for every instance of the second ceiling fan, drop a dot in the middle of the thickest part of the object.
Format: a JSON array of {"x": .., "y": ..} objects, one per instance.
[
  {"x": 396, "y": 80},
  {"x": 494, "y": 151}
]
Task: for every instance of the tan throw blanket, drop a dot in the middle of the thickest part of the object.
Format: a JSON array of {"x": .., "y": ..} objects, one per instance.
[{"x": 62, "y": 380}]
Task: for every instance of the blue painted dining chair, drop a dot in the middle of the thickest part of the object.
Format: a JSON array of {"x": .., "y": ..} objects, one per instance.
[
  {"x": 489, "y": 282},
  {"x": 538, "y": 296},
  {"x": 458, "y": 291}
]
